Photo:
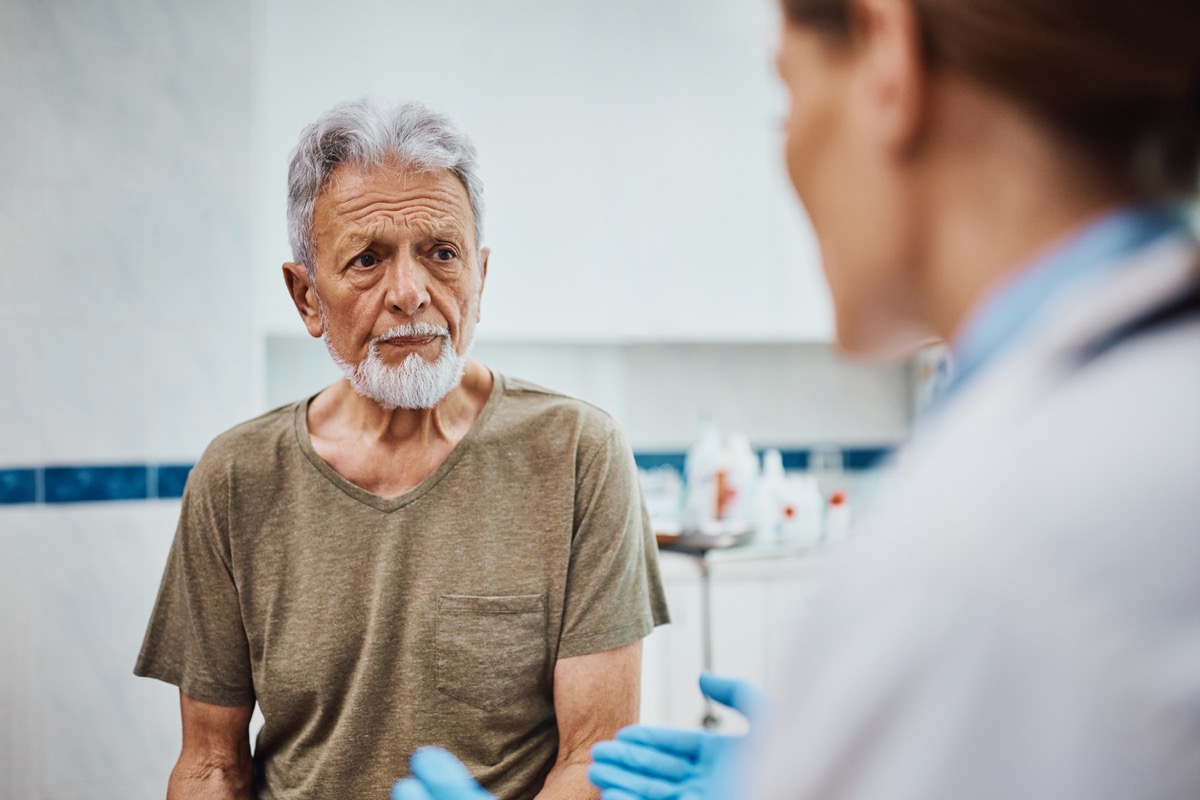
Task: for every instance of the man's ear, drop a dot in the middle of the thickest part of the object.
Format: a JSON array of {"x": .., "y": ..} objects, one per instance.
[
  {"x": 895, "y": 81},
  {"x": 484, "y": 252},
  {"x": 304, "y": 295}
]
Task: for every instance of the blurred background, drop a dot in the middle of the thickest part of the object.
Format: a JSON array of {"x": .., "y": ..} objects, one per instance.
[{"x": 647, "y": 256}]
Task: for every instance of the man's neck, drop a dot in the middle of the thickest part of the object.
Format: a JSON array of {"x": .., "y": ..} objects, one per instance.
[{"x": 387, "y": 452}]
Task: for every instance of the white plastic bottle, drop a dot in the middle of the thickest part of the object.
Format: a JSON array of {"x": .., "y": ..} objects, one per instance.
[
  {"x": 837, "y": 518},
  {"x": 739, "y": 468},
  {"x": 701, "y": 464},
  {"x": 803, "y": 512},
  {"x": 769, "y": 498}
]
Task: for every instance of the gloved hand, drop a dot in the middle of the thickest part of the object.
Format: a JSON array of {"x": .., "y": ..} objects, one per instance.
[
  {"x": 437, "y": 775},
  {"x": 673, "y": 764}
]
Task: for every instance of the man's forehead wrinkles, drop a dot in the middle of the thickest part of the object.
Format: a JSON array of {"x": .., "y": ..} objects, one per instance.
[
  {"x": 379, "y": 220},
  {"x": 425, "y": 204},
  {"x": 384, "y": 205},
  {"x": 381, "y": 228}
]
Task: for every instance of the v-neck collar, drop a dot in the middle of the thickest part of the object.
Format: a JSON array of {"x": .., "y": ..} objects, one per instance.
[{"x": 390, "y": 504}]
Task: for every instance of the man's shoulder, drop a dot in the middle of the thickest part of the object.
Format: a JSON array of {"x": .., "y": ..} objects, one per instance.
[
  {"x": 525, "y": 401},
  {"x": 251, "y": 444}
]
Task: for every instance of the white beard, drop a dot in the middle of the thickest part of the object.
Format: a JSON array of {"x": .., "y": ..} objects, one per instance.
[{"x": 415, "y": 383}]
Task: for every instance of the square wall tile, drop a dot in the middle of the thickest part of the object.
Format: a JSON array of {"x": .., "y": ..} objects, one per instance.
[
  {"x": 133, "y": 172},
  {"x": 201, "y": 381},
  {"x": 76, "y": 587},
  {"x": 83, "y": 397}
]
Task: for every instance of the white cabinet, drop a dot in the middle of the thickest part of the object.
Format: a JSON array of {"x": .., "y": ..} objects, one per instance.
[
  {"x": 630, "y": 151},
  {"x": 759, "y": 596}
]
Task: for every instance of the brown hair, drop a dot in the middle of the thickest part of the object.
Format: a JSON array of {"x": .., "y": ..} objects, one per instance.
[{"x": 1119, "y": 77}]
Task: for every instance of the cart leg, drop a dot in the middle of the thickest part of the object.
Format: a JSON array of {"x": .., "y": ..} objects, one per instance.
[{"x": 709, "y": 721}]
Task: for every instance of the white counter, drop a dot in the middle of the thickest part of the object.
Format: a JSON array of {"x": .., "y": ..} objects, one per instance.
[{"x": 759, "y": 594}]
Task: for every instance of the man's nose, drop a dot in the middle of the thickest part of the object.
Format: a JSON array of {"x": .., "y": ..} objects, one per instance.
[{"x": 407, "y": 286}]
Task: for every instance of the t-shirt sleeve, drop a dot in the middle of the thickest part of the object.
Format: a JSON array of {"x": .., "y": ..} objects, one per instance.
[
  {"x": 196, "y": 639},
  {"x": 614, "y": 590}
]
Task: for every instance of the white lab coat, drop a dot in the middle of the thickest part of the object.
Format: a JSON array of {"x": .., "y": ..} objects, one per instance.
[{"x": 1021, "y": 617}]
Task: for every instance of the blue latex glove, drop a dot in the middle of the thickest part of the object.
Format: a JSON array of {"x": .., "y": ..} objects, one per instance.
[
  {"x": 437, "y": 775},
  {"x": 646, "y": 763}
]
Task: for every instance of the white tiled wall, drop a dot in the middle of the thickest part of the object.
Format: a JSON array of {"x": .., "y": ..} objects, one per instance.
[
  {"x": 75, "y": 593},
  {"x": 125, "y": 336},
  {"x": 124, "y": 266}
]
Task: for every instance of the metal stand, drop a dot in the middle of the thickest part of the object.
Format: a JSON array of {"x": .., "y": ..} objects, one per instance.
[
  {"x": 698, "y": 548},
  {"x": 709, "y": 721}
]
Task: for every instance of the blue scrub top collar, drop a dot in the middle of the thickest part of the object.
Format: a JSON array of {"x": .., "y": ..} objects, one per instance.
[{"x": 1007, "y": 311}]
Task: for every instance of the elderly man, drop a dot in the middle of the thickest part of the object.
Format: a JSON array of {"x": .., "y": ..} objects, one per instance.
[{"x": 424, "y": 553}]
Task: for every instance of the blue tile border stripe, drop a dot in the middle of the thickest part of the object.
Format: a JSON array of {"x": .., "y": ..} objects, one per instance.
[
  {"x": 91, "y": 483},
  {"x": 171, "y": 479},
  {"x": 854, "y": 459},
  {"x": 54, "y": 485},
  {"x": 18, "y": 486}
]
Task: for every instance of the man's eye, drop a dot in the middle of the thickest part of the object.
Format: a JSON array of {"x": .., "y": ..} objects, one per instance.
[
  {"x": 364, "y": 261},
  {"x": 444, "y": 254}
]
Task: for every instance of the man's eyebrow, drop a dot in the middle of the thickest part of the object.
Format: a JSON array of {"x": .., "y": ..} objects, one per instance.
[
  {"x": 357, "y": 238},
  {"x": 445, "y": 228}
]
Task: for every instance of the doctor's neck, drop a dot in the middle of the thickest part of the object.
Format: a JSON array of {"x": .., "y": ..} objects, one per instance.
[{"x": 997, "y": 188}]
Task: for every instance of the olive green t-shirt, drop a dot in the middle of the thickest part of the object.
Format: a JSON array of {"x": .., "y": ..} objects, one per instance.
[{"x": 366, "y": 627}]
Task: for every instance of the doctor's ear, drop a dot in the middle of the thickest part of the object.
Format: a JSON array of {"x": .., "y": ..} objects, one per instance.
[
  {"x": 894, "y": 77},
  {"x": 304, "y": 295}
]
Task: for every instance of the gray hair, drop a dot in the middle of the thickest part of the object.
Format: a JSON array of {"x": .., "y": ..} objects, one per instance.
[{"x": 366, "y": 132}]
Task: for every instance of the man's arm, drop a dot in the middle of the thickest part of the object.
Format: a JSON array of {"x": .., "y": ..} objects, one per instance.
[
  {"x": 214, "y": 763},
  {"x": 594, "y": 696}
]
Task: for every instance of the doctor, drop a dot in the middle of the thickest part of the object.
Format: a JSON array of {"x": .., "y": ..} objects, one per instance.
[{"x": 1021, "y": 619}]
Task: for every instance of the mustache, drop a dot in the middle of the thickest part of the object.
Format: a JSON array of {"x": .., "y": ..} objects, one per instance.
[{"x": 411, "y": 329}]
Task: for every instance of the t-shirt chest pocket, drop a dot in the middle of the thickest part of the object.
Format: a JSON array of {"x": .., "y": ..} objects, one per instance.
[{"x": 491, "y": 650}]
